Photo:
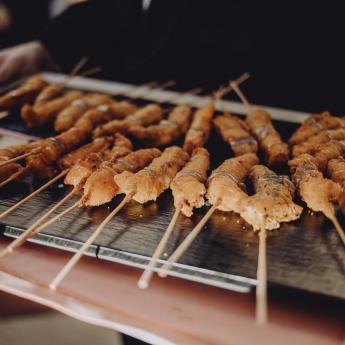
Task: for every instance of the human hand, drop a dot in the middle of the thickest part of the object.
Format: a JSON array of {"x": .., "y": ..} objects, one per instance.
[{"x": 24, "y": 59}]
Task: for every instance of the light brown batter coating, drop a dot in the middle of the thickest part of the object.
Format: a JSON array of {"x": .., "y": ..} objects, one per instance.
[
  {"x": 80, "y": 172},
  {"x": 336, "y": 171},
  {"x": 272, "y": 202},
  {"x": 200, "y": 129},
  {"x": 9, "y": 152},
  {"x": 188, "y": 186},
  {"x": 26, "y": 93},
  {"x": 50, "y": 92},
  {"x": 275, "y": 150},
  {"x": 322, "y": 137},
  {"x": 236, "y": 132},
  {"x": 167, "y": 131},
  {"x": 101, "y": 188},
  {"x": 315, "y": 124},
  {"x": 148, "y": 115},
  {"x": 317, "y": 192},
  {"x": 69, "y": 115},
  {"x": 226, "y": 183},
  {"x": 68, "y": 160},
  {"x": 151, "y": 181},
  {"x": 44, "y": 112},
  {"x": 7, "y": 170},
  {"x": 43, "y": 163},
  {"x": 326, "y": 152}
]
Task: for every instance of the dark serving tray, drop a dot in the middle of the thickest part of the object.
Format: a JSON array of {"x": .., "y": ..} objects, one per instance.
[{"x": 305, "y": 255}]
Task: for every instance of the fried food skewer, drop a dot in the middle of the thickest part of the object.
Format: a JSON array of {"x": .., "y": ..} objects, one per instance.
[
  {"x": 271, "y": 205},
  {"x": 188, "y": 192},
  {"x": 75, "y": 258},
  {"x": 34, "y": 193},
  {"x": 275, "y": 150},
  {"x": 135, "y": 186},
  {"x": 236, "y": 132},
  {"x": 76, "y": 177},
  {"x": 65, "y": 163},
  {"x": 200, "y": 129},
  {"x": 225, "y": 190},
  {"x": 318, "y": 192}
]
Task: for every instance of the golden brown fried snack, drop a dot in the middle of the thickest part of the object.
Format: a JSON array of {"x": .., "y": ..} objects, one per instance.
[
  {"x": 69, "y": 115},
  {"x": 7, "y": 170},
  {"x": 236, "y": 132},
  {"x": 50, "y": 92},
  {"x": 145, "y": 116},
  {"x": 226, "y": 183},
  {"x": 167, "y": 131},
  {"x": 314, "y": 125},
  {"x": 200, "y": 128},
  {"x": 98, "y": 145},
  {"x": 275, "y": 150},
  {"x": 151, "y": 181},
  {"x": 272, "y": 202},
  {"x": 188, "y": 186},
  {"x": 44, "y": 112},
  {"x": 26, "y": 93},
  {"x": 101, "y": 188},
  {"x": 325, "y": 152},
  {"x": 336, "y": 171},
  {"x": 322, "y": 137},
  {"x": 317, "y": 192},
  {"x": 119, "y": 146}
]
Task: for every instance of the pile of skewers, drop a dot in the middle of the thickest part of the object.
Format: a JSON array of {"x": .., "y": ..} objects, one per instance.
[{"x": 94, "y": 154}]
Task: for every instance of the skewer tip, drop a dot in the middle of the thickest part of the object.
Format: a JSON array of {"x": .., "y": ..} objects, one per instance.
[
  {"x": 143, "y": 284},
  {"x": 52, "y": 286}
]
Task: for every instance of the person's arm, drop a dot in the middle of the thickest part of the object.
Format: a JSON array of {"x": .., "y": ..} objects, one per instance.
[{"x": 69, "y": 37}]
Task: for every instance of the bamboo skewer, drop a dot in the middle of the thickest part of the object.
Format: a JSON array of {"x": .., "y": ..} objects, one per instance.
[
  {"x": 18, "y": 158},
  {"x": 20, "y": 172},
  {"x": 76, "y": 257},
  {"x": 37, "y": 191},
  {"x": 261, "y": 289},
  {"x": 164, "y": 271},
  {"x": 31, "y": 230},
  {"x": 145, "y": 278},
  {"x": 57, "y": 217}
]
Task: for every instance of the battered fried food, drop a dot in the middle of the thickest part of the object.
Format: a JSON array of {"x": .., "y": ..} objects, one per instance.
[
  {"x": 200, "y": 128},
  {"x": 275, "y": 150},
  {"x": 317, "y": 192},
  {"x": 101, "y": 187},
  {"x": 44, "y": 112},
  {"x": 145, "y": 116},
  {"x": 151, "y": 181},
  {"x": 188, "y": 186},
  {"x": 26, "y": 93},
  {"x": 236, "y": 132},
  {"x": 272, "y": 202},
  {"x": 315, "y": 124},
  {"x": 167, "y": 131},
  {"x": 326, "y": 152},
  {"x": 322, "y": 137},
  {"x": 226, "y": 184}
]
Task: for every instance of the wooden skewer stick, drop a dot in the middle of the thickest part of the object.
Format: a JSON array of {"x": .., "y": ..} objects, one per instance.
[
  {"x": 240, "y": 94},
  {"x": 76, "y": 257},
  {"x": 57, "y": 217},
  {"x": 31, "y": 230},
  {"x": 261, "y": 289},
  {"x": 164, "y": 271},
  {"x": 20, "y": 172},
  {"x": 18, "y": 158},
  {"x": 338, "y": 227},
  {"x": 39, "y": 190},
  {"x": 145, "y": 278}
]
